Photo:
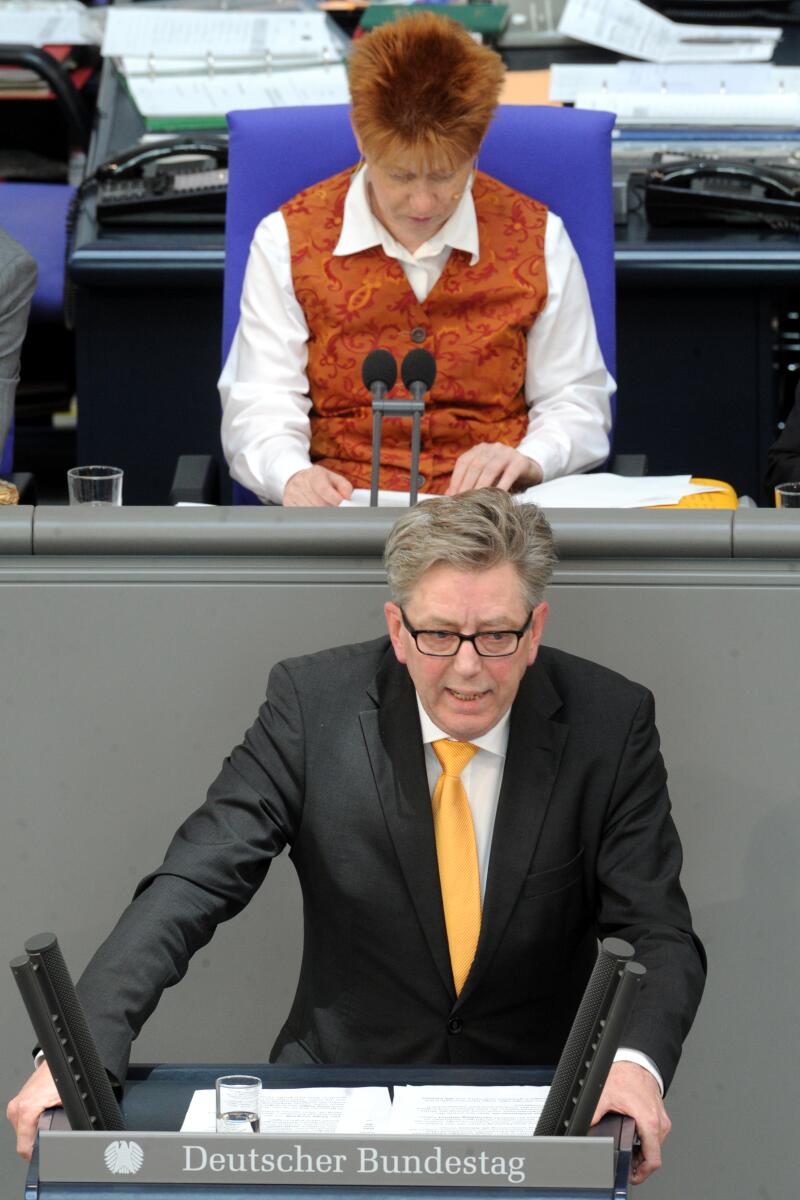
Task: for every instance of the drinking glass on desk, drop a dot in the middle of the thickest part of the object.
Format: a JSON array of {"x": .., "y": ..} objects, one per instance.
[
  {"x": 787, "y": 495},
  {"x": 98, "y": 486},
  {"x": 238, "y": 1104}
]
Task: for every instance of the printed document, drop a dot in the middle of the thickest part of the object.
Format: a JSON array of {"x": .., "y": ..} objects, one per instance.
[
  {"x": 139, "y": 30},
  {"x": 303, "y": 1110},
  {"x": 630, "y": 27},
  {"x": 187, "y": 96},
  {"x": 568, "y": 80},
  {"x": 504, "y": 1111},
  {"x": 60, "y": 23}
]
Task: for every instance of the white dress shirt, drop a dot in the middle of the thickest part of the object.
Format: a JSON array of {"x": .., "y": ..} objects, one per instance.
[
  {"x": 482, "y": 778},
  {"x": 266, "y": 432}
]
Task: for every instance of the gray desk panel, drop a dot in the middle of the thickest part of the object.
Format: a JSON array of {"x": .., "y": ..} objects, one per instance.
[
  {"x": 767, "y": 533},
  {"x": 16, "y": 529}
]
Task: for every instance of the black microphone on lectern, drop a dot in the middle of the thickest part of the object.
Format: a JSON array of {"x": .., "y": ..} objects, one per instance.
[
  {"x": 379, "y": 373},
  {"x": 418, "y": 372}
]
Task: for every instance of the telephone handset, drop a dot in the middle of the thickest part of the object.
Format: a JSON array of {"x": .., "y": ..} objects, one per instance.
[
  {"x": 181, "y": 180},
  {"x": 739, "y": 191}
]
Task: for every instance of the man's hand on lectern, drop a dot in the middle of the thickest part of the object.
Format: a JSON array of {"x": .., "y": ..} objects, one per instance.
[
  {"x": 316, "y": 487},
  {"x": 632, "y": 1090},
  {"x": 28, "y": 1105}
]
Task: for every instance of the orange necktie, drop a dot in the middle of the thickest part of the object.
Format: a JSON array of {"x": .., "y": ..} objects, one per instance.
[{"x": 457, "y": 854}]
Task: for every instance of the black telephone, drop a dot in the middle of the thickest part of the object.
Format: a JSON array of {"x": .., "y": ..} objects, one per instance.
[
  {"x": 735, "y": 191},
  {"x": 178, "y": 181}
]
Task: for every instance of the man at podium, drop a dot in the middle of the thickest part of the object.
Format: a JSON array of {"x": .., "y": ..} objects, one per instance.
[{"x": 468, "y": 811}]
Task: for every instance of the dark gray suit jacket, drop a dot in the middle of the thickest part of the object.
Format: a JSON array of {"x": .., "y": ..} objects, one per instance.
[
  {"x": 17, "y": 285},
  {"x": 584, "y": 846}
]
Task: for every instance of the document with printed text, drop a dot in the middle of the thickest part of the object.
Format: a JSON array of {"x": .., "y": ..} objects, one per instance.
[{"x": 503, "y": 1111}]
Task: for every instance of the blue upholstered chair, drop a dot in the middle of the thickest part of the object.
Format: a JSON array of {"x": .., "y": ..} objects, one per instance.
[{"x": 560, "y": 156}]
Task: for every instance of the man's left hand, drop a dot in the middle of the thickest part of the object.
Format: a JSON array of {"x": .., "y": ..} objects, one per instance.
[
  {"x": 493, "y": 464},
  {"x": 633, "y": 1091}
]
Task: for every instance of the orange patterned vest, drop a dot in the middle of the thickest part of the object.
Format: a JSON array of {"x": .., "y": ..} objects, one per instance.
[{"x": 474, "y": 322}]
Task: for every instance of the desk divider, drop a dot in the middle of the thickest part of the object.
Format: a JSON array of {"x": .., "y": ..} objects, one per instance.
[{"x": 275, "y": 532}]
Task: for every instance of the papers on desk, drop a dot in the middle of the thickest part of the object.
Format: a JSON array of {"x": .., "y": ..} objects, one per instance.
[
  {"x": 191, "y": 67},
  {"x": 205, "y": 99},
  {"x": 602, "y": 490},
  {"x": 614, "y": 491},
  {"x": 645, "y": 94},
  {"x": 652, "y": 109},
  {"x": 303, "y": 1110},
  {"x": 568, "y": 81},
  {"x": 50, "y": 23},
  {"x": 160, "y": 36},
  {"x": 630, "y": 27},
  {"x": 510, "y": 1111},
  {"x": 484, "y": 1112}
]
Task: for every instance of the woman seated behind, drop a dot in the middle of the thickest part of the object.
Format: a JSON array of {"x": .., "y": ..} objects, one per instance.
[{"x": 414, "y": 247}]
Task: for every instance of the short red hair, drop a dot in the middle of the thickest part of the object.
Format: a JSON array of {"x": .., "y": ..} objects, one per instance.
[{"x": 422, "y": 85}]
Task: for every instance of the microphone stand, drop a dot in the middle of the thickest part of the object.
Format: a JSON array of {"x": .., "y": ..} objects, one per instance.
[{"x": 381, "y": 407}]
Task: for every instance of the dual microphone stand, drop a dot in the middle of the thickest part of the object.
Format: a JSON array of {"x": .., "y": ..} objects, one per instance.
[{"x": 379, "y": 374}]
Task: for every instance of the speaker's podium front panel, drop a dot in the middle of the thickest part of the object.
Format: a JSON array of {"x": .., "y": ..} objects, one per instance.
[{"x": 152, "y": 1160}]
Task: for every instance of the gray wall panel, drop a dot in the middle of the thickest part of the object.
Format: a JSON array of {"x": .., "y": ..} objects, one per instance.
[{"x": 126, "y": 697}]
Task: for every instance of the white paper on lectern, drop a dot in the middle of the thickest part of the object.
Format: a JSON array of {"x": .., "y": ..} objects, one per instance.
[
  {"x": 614, "y": 491},
  {"x": 303, "y": 1110},
  {"x": 501, "y": 1111},
  {"x": 602, "y": 490},
  {"x": 457, "y": 1111}
]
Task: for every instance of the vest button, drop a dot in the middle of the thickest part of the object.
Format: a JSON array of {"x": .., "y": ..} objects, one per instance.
[
  {"x": 418, "y": 334},
  {"x": 420, "y": 480},
  {"x": 455, "y": 1025}
]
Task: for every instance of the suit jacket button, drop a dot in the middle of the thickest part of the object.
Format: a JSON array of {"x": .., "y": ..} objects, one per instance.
[
  {"x": 418, "y": 334},
  {"x": 455, "y": 1025}
]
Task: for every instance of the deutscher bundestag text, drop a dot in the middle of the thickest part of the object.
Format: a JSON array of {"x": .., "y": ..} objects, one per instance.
[{"x": 365, "y": 1160}]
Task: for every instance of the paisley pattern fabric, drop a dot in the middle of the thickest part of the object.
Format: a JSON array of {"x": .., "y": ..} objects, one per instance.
[{"x": 474, "y": 321}]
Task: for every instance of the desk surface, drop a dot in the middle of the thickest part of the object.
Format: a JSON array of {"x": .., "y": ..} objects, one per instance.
[{"x": 156, "y": 1098}]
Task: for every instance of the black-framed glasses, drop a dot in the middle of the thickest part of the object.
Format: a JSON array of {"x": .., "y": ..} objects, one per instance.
[{"x": 445, "y": 643}]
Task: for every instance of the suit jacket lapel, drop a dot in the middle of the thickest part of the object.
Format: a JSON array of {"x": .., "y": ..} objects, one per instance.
[
  {"x": 535, "y": 745},
  {"x": 394, "y": 744}
]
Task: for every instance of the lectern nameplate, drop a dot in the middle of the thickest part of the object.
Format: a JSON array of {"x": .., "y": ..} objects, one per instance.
[{"x": 209, "y": 1158}]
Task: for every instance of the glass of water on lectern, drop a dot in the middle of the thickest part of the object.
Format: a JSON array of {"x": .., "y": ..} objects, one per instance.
[{"x": 238, "y": 1104}]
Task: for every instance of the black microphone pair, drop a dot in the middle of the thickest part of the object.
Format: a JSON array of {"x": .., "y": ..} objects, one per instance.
[{"x": 379, "y": 373}]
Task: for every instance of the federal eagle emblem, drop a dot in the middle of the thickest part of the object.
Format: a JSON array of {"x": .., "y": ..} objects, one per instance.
[{"x": 123, "y": 1158}]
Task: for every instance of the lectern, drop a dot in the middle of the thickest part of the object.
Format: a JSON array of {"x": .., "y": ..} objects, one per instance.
[{"x": 151, "y": 1160}]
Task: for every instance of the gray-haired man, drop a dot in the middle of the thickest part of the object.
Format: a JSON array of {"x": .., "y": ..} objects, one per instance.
[{"x": 467, "y": 812}]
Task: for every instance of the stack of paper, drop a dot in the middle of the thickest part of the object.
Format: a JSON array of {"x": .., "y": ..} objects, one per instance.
[
  {"x": 186, "y": 67},
  {"x": 728, "y": 95},
  {"x": 601, "y": 490},
  {"x": 50, "y": 23},
  {"x": 504, "y": 1111},
  {"x": 630, "y": 27}
]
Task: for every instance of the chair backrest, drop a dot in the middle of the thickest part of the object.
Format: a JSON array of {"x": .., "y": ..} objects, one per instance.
[{"x": 560, "y": 156}]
